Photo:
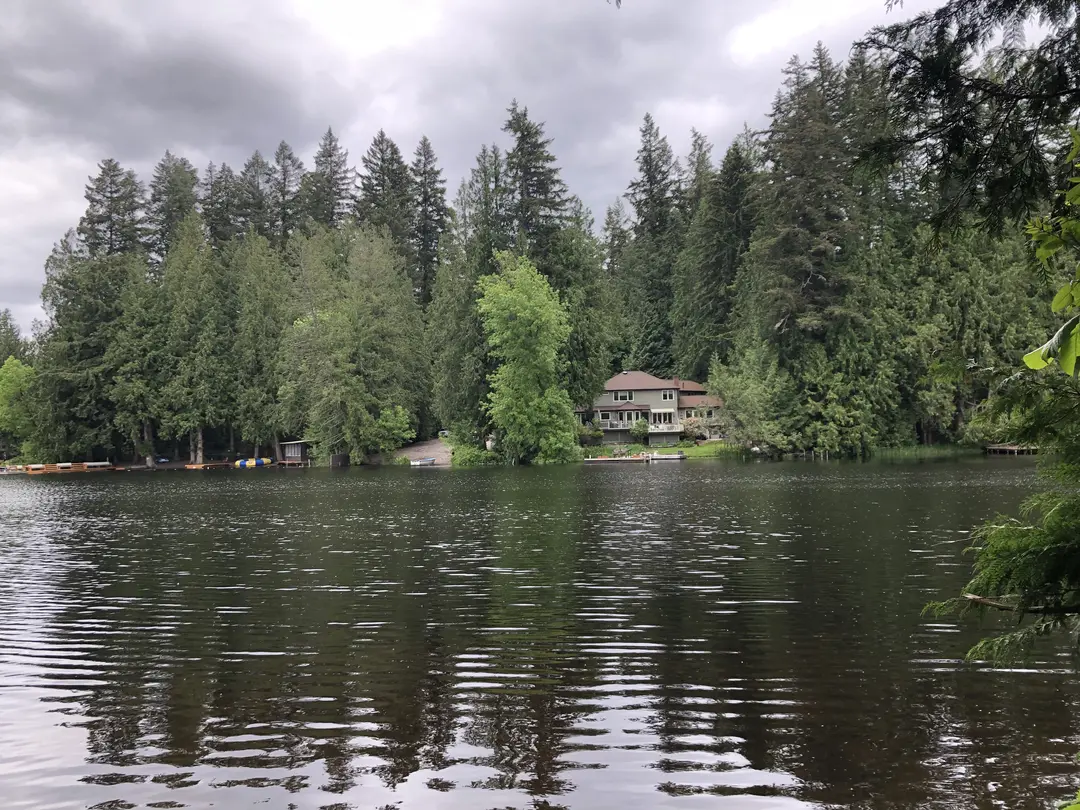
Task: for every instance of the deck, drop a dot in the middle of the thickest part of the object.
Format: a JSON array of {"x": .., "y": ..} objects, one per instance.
[{"x": 1011, "y": 449}]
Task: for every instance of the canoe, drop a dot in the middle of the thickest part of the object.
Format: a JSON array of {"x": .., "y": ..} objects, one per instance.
[
  {"x": 680, "y": 456},
  {"x": 423, "y": 462}
]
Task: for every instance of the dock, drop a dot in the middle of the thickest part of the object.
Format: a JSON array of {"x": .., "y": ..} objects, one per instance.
[
  {"x": 617, "y": 460},
  {"x": 70, "y": 467},
  {"x": 1011, "y": 449},
  {"x": 210, "y": 465}
]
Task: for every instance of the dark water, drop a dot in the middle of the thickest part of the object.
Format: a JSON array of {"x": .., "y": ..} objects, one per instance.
[{"x": 693, "y": 635}]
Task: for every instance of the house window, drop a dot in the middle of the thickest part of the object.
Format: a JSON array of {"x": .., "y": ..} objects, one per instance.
[
  {"x": 708, "y": 414},
  {"x": 624, "y": 396},
  {"x": 605, "y": 416},
  {"x": 669, "y": 396},
  {"x": 663, "y": 418}
]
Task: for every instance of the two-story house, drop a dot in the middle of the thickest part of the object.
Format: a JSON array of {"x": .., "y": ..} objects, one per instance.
[{"x": 634, "y": 395}]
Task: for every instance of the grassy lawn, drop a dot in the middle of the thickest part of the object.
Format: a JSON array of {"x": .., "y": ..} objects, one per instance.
[{"x": 707, "y": 450}]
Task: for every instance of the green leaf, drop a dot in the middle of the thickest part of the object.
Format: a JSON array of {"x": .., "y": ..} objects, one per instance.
[
  {"x": 1063, "y": 298},
  {"x": 1062, "y": 347}
]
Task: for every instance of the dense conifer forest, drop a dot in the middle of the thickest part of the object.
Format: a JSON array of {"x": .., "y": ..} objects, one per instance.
[{"x": 217, "y": 309}]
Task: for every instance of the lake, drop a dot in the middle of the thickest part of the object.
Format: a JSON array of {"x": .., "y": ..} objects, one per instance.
[{"x": 694, "y": 635}]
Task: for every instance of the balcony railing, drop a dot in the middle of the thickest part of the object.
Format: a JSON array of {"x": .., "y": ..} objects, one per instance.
[{"x": 612, "y": 424}]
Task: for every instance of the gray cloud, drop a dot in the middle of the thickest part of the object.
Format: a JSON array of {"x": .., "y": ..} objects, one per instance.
[{"x": 81, "y": 80}]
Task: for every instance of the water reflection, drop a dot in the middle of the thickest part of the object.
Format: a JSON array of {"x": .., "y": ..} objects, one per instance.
[{"x": 585, "y": 638}]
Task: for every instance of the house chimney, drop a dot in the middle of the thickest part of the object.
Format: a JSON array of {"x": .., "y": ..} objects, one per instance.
[{"x": 675, "y": 382}]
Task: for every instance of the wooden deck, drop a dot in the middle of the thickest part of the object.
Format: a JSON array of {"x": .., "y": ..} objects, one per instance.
[
  {"x": 1011, "y": 449},
  {"x": 210, "y": 465},
  {"x": 70, "y": 467}
]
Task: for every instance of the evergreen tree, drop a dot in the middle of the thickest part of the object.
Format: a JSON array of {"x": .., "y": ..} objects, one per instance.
[
  {"x": 616, "y": 240},
  {"x": 220, "y": 204},
  {"x": 697, "y": 174},
  {"x": 198, "y": 340},
  {"x": 113, "y": 222},
  {"x": 283, "y": 194},
  {"x": 483, "y": 208},
  {"x": 172, "y": 197},
  {"x": 253, "y": 202},
  {"x": 705, "y": 271},
  {"x": 654, "y": 195},
  {"x": 386, "y": 197},
  {"x": 430, "y": 217},
  {"x": 137, "y": 354},
  {"x": 328, "y": 187},
  {"x": 263, "y": 314},
  {"x": 537, "y": 194},
  {"x": 11, "y": 342}
]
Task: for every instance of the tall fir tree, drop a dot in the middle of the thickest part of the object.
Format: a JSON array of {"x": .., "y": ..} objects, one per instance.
[
  {"x": 328, "y": 187},
  {"x": 429, "y": 218},
  {"x": 219, "y": 204},
  {"x": 115, "y": 212},
  {"x": 283, "y": 195},
  {"x": 253, "y": 205},
  {"x": 386, "y": 198},
  {"x": 172, "y": 197},
  {"x": 654, "y": 196},
  {"x": 538, "y": 196},
  {"x": 697, "y": 172},
  {"x": 11, "y": 340},
  {"x": 715, "y": 242}
]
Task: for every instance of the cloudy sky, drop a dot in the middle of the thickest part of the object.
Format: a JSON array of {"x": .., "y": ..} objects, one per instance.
[{"x": 214, "y": 79}]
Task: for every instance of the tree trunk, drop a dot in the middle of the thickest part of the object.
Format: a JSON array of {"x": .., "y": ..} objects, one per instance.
[
  {"x": 232, "y": 442},
  {"x": 277, "y": 448},
  {"x": 191, "y": 447},
  {"x": 257, "y": 449},
  {"x": 148, "y": 441},
  {"x": 199, "y": 447}
]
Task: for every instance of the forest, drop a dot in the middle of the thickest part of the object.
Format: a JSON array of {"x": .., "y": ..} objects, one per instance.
[{"x": 220, "y": 310}]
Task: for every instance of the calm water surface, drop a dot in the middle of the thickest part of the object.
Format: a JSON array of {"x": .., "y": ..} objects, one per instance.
[{"x": 692, "y": 635}]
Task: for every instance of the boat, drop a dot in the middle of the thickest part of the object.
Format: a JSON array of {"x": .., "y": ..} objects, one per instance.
[
  {"x": 253, "y": 462},
  {"x": 423, "y": 462},
  {"x": 680, "y": 456}
]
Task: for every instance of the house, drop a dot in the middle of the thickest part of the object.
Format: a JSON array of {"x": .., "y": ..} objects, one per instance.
[
  {"x": 295, "y": 454},
  {"x": 634, "y": 395}
]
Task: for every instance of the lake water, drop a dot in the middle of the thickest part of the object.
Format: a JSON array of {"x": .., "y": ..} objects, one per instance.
[{"x": 695, "y": 635}]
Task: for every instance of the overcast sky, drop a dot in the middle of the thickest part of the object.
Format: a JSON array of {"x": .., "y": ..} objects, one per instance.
[{"x": 214, "y": 79}]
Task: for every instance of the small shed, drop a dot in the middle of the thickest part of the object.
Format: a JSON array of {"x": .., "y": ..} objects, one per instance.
[{"x": 295, "y": 454}]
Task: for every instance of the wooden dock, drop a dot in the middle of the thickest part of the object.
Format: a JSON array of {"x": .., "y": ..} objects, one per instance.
[
  {"x": 1011, "y": 449},
  {"x": 70, "y": 467},
  {"x": 617, "y": 460},
  {"x": 210, "y": 465}
]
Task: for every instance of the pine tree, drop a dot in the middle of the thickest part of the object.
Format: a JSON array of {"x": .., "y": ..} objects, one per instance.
[
  {"x": 328, "y": 187},
  {"x": 483, "y": 208},
  {"x": 386, "y": 195},
  {"x": 262, "y": 289},
  {"x": 654, "y": 195},
  {"x": 11, "y": 342},
  {"x": 430, "y": 217},
  {"x": 283, "y": 194},
  {"x": 113, "y": 222},
  {"x": 538, "y": 196},
  {"x": 697, "y": 174},
  {"x": 705, "y": 271},
  {"x": 198, "y": 340},
  {"x": 137, "y": 354},
  {"x": 219, "y": 204},
  {"x": 172, "y": 197},
  {"x": 253, "y": 197}
]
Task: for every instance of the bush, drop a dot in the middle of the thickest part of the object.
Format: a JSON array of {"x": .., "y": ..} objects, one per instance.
[
  {"x": 640, "y": 430},
  {"x": 590, "y": 435},
  {"x": 467, "y": 455}
]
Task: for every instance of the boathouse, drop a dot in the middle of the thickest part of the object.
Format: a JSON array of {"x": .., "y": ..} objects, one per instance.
[{"x": 295, "y": 454}]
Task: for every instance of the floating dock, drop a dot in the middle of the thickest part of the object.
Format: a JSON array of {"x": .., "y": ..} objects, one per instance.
[
  {"x": 210, "y": 465},
  {"x": 641, "y": 459}
]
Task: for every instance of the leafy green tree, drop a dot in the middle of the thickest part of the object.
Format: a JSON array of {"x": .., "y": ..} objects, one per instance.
[
  {"x": 11, "y": 341},
  {"x": 172, "y": 197},
  {"x": 16, "y": 413},
  {"x": 285, "y": 204},
  {"x": 114, "y": 218},
  {"x": 430, "y": 217},
  {"x": 386, "y": 198},
  {"x": 526, "y": 326},
  {"x": 198, "y": 339},
  {"x": 639, "y": 431},
  {"x": 328, "y": 187}
]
